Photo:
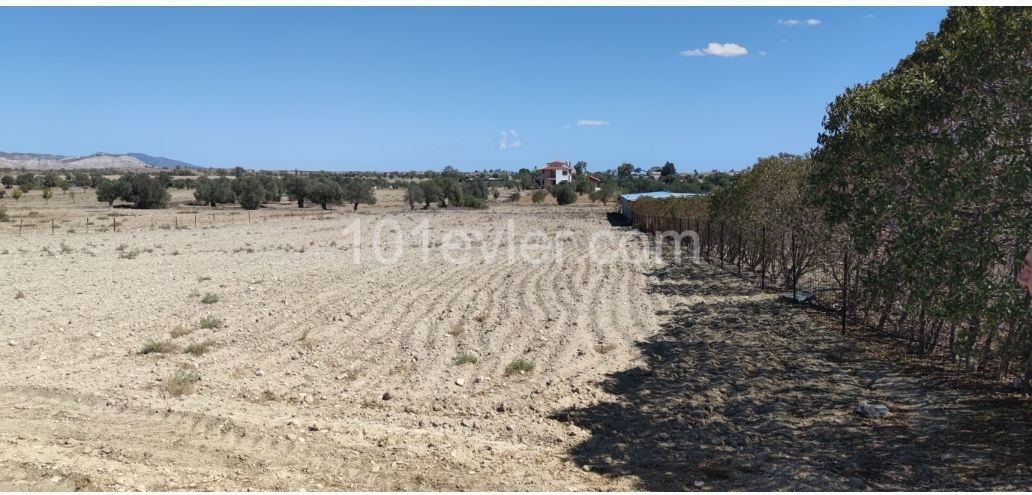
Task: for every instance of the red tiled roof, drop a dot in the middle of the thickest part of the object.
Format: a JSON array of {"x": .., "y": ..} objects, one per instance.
[{"x": 556, "y": 165}]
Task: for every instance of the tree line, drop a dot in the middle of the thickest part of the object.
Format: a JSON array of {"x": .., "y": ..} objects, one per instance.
[{"x": 921, "y": 184}]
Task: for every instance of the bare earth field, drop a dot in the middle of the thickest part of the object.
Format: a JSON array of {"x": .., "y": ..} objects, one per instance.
[{"x": 336, "y": 375}]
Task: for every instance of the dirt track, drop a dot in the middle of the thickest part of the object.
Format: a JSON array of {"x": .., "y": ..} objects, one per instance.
[{"x": 647, "y": 376}]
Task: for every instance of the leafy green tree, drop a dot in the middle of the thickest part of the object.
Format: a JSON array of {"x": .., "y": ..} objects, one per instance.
[
  {"x": 413, "y": 195},
  {"x": 580, "y": 168},
  {"x": 7, "y": 181},
  {"x": 431, "y": 192},
  {"x": 297, "y": 188},
  {"x": 667, "y": 170},
  {"x": 272, "y": 186},
  {"x": 27, "y": 182},
  {"x": 251, "y": 193},
  {"x": 608, "y": 192},
  {"x": 926, "y": 172},
  {"x": 325, "y": 192},
  {"x": 583, "y": 186},
  {"x": 624, "y": 170},
  {"x": 144, "y": 191},
  {"x": 109, "y": 191},
  {"x": 359, "y": 191},
  {"x": 565, "y": 193},
  {"x": 212, "y": 192}
]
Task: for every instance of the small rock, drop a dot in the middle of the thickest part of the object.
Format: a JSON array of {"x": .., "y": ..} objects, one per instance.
[
  {"x": 11, "y": 343},
  {"x": 855, "y": 484},
  {"x": 698, "y": 484},
  {"x": 387, "y": 396},
  {"x": 460, "y": 381}
]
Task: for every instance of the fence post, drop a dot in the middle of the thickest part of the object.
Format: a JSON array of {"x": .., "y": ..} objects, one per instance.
[
  {"x": 845, "y": 287},
  {"x": 21, "y": 222},
  {"x": 177, "y": 221},
  {"x": 51, "y": 226},
  {"x": 195, "y": 220},
  {"x": 87, "y": 225},
  {"x": 763, "y": 257},
  {"x": 114, "y": 224}
]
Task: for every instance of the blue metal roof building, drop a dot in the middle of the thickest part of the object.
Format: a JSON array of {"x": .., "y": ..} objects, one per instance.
[{"x": 627, "y": 199}]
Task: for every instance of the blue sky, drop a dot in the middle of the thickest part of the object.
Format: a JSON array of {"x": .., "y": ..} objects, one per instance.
[{"x": 421, "y": 88}]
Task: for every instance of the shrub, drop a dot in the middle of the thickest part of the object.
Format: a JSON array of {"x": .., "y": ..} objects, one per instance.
[
  {"x": 212, "y": 192},
  {"x": 3, "y": 213},
  {"x": 17, "y": 193},
  {"x": 539, "y": 196},
  {"x": 565, "y": 193},
  {"x": 413, "y": 195},
  {"x": 156, "y": 347},
  {"x": 210, "y": 322},
  {"x": 210, "y": 298},
  {"x": 473, "y": 202},
  {"x": 199, "y": 348},
  {"x": 457, "y": 329},
  {"x": 250, "y": 192},
  {"x": 465, "y": 358},
  {"x": 181, "y": 383},
  {"x": 514, "y": 197},
  {"x": 47, "y": 194},
  {"x": 520, "y": 366}
]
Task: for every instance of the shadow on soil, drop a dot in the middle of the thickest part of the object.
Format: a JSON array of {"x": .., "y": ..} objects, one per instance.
[{"x": 751, "y": 394}]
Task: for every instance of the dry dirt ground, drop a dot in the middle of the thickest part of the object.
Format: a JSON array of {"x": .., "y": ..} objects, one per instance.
[{"x": 335, "y": 375}]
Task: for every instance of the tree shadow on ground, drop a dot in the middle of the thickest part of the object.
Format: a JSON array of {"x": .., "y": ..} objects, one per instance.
[
  {"x": 752, "y": 394},
  {"x": 616, "y": 219}
]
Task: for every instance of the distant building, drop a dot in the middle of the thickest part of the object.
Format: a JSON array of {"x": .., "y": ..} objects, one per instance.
[
  {"x": 555, "y": 172},
  {"x": 627, "y": 200},
  {"x": 594, "y": 180}
]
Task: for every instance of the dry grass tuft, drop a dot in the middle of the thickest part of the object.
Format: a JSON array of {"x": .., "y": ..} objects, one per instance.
[
  {"x": 519, "y": 366},
  {"x": 457, "y": 329},
  {"x": 180, "y": 331},
  {"x": 156, "y": 347},
  {"x": 183, "y": 382}
]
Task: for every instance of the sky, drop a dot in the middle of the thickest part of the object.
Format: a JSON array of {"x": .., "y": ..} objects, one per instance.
[{"x": 421, "y": 88}]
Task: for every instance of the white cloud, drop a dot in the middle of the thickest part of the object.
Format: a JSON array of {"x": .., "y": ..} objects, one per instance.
[
  {"x": 510, "y": 140},
  {"x": 592, "y": 123},
  {"x": 763, "y": 53},
  {"x": 717, "y": 50},
  {"x": 795, "y": 22},
  {"x": 869, "y": 16}
]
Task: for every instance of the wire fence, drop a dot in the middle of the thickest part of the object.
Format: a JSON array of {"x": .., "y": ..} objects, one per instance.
[
  {"x": 821, "y": 270},
  {"x": 811, "y": 269}
]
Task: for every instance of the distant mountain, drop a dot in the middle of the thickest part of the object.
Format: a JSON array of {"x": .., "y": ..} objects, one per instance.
[
  {"x": 161, "y": 162},
  {"x": 100, "y": 160}
]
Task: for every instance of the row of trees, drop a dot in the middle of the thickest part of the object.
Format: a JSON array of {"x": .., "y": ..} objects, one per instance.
[
  {"x": 449, "y": 189},
  {"x": 921, "y": 185}
]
